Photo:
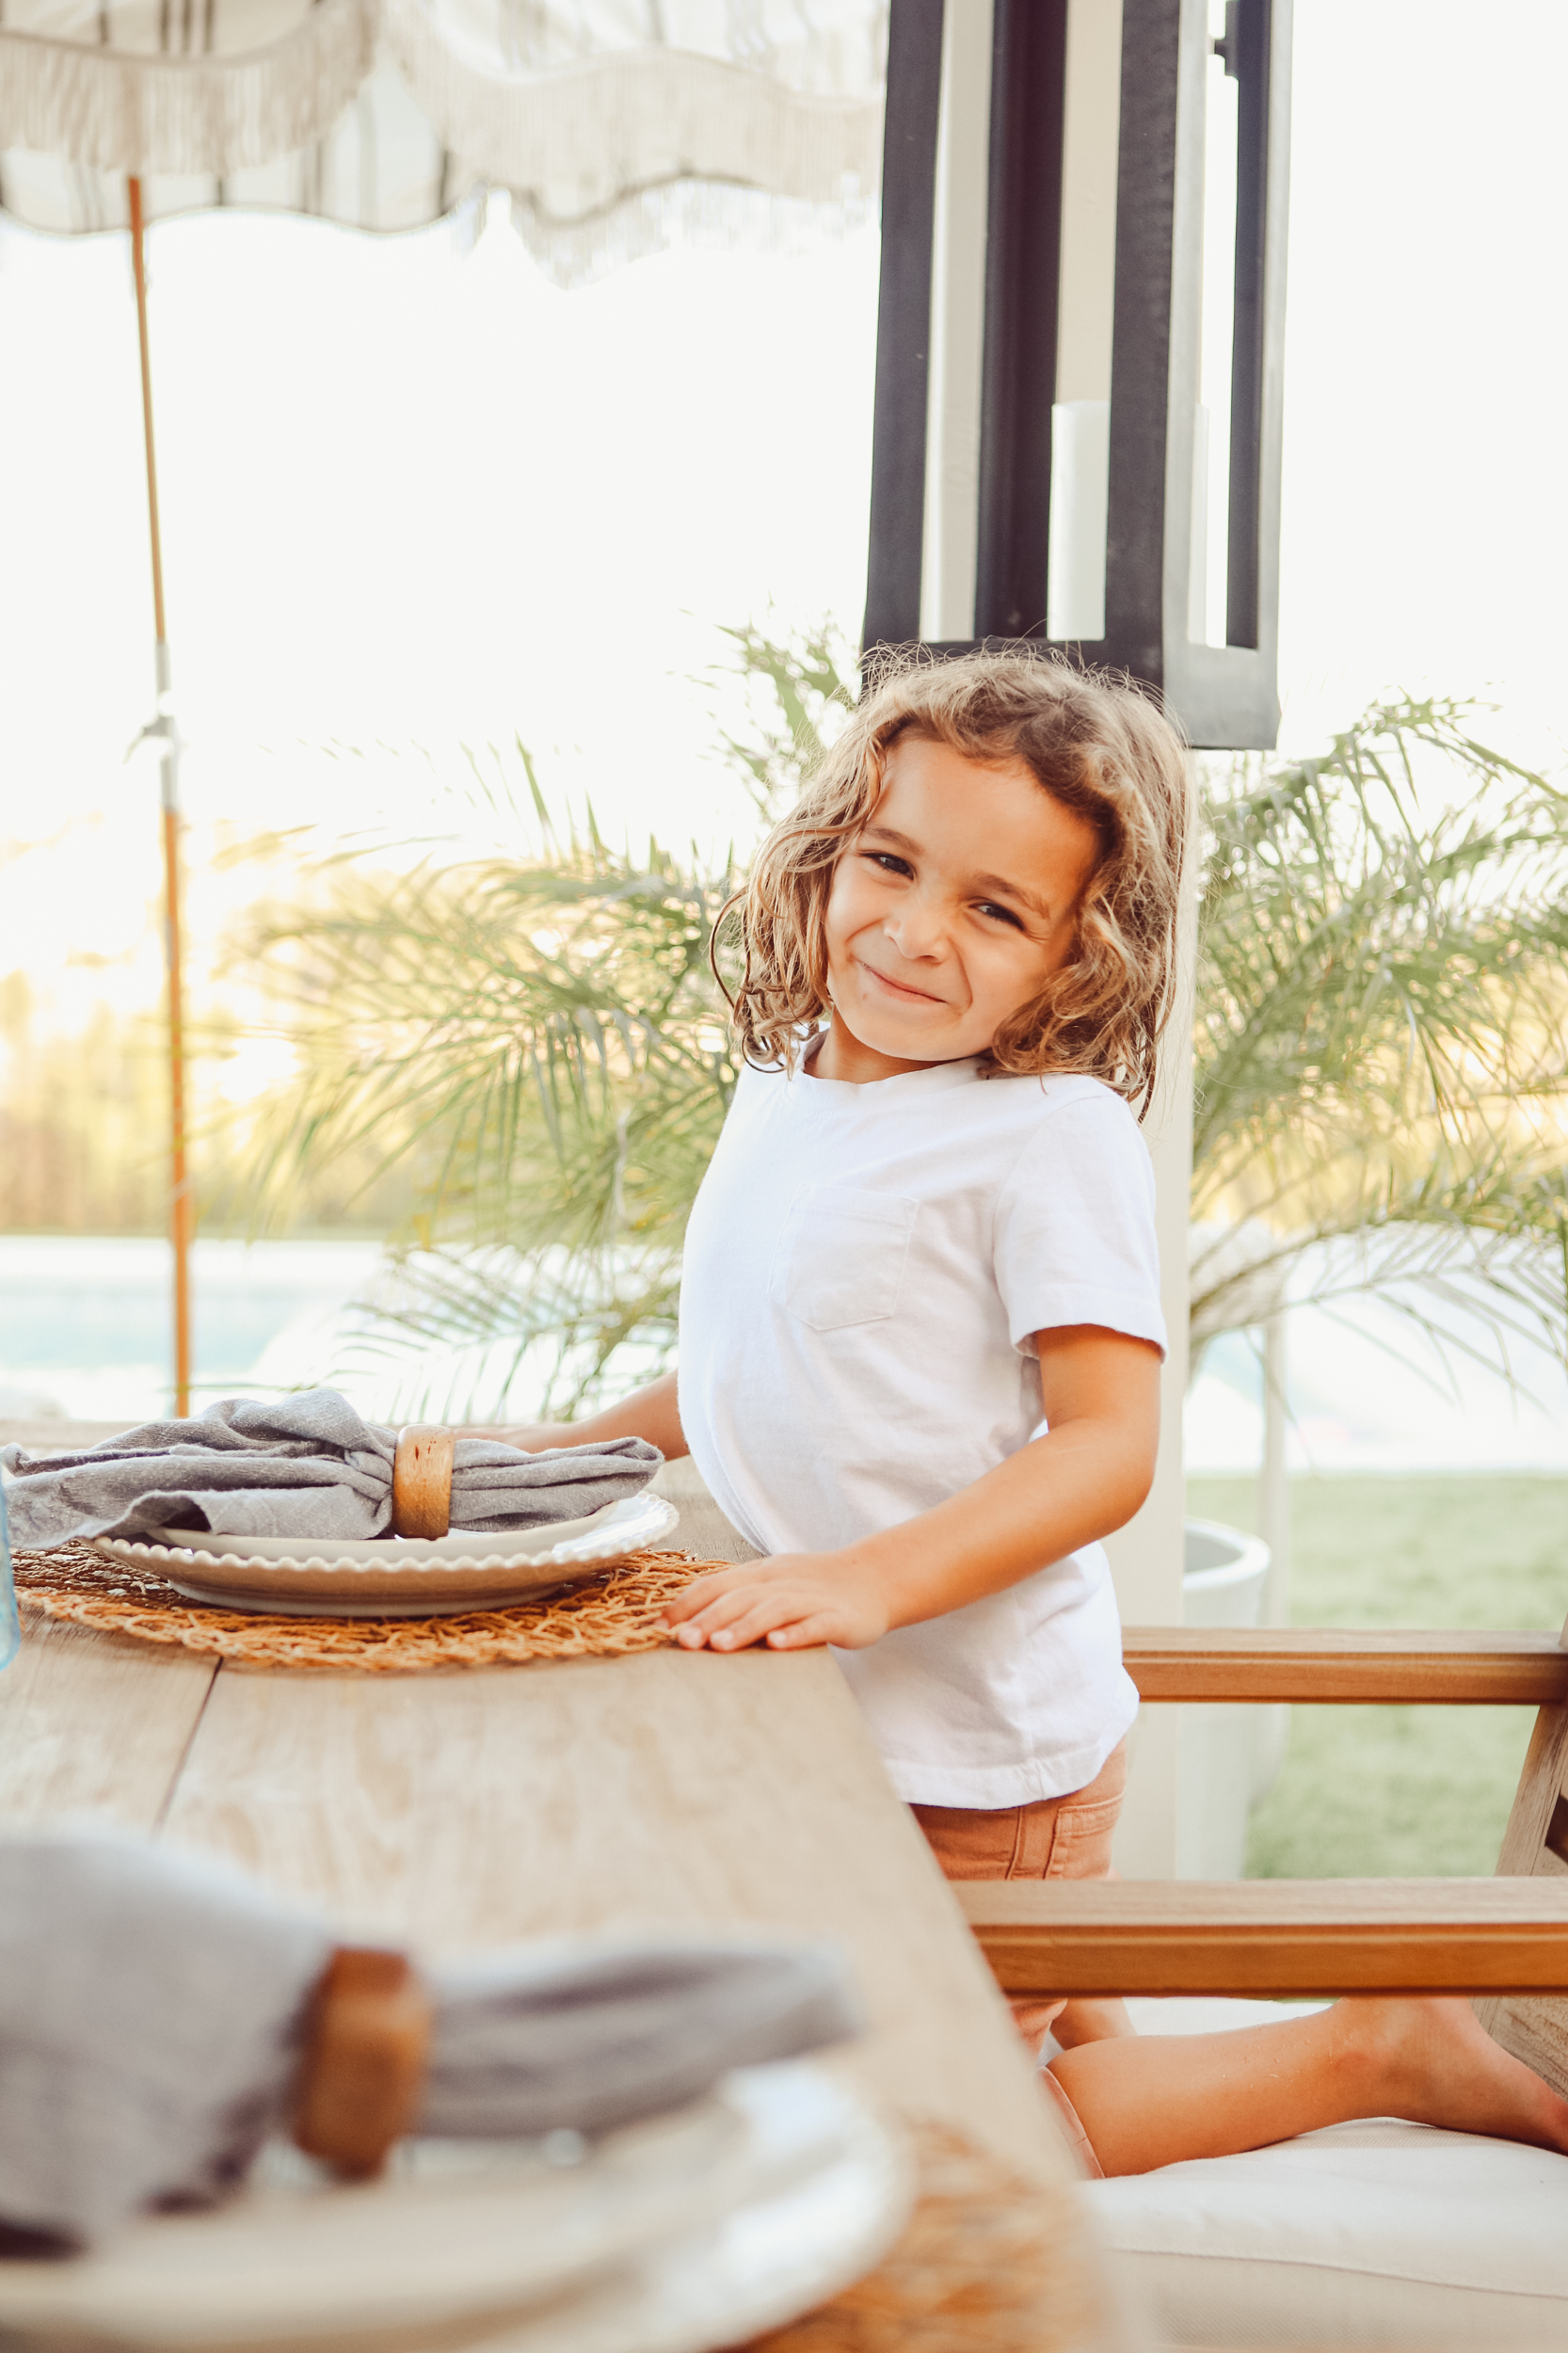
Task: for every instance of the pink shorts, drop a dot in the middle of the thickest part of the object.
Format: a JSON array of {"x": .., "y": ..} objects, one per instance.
[{"x": 1056, "y": 1838}]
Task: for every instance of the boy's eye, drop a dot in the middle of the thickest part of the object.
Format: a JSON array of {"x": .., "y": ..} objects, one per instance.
[{"x": 1003, "y": 915}]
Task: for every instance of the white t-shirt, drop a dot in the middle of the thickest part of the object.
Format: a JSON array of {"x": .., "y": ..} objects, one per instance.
[{"x": 864, "y": 1268}]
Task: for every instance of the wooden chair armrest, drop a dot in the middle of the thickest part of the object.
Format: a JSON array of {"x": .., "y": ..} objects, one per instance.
[
  {"x": 1274, "y": 1937},
  {"x": 1317, "y": 1664}
]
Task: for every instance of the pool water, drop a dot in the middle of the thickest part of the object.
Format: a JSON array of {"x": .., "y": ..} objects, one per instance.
[{"x": 85, "y": 1322}]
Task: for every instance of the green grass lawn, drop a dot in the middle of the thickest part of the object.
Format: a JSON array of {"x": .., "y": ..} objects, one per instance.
[{"x": 1405, "y": 1790}]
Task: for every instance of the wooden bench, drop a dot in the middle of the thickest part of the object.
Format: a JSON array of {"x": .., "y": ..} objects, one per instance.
[
  {"x": 1504, "y": 1938},
  {"x": 1373, "y": 2234}
]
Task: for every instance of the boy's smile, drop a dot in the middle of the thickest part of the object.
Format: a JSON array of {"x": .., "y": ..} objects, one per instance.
[
  {"x": 948, "y": 912},
  {"x": 898, "y": 988}
]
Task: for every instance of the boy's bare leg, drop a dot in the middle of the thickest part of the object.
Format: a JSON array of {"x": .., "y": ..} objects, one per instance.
[
  {"x": 1089, "y": 2020},
  {"x": 1081, "y": 2020},
  {"x": 1156, "y": 2098}
]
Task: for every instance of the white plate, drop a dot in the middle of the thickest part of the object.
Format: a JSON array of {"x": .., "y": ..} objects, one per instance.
[
  {"x": 768, "y": 2261},
  {"x": 395, "y": 1576},
  {"x": 690, "y": 2233}
]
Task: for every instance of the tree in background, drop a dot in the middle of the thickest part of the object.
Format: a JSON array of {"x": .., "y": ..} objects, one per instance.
[{"x": 539, "y": 1048}]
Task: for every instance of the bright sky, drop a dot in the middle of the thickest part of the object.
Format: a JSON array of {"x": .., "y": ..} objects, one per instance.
[
  {"x": 415, "y": 496},
  {"x": 410, "y": 498}
]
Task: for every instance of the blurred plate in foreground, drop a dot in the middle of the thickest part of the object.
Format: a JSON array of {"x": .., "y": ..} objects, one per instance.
[{"x": 688, "y": 2232}]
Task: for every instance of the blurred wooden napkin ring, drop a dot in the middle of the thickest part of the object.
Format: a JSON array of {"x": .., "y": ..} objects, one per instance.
[
  {"x": 421, "y": 1480},
  {"x": 363, "y": 2075}
]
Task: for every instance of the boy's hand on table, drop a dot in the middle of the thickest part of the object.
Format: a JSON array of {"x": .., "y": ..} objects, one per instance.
[
  {"x": 1086, "y": 1475},
  {"x": 791, "y": 1601}
]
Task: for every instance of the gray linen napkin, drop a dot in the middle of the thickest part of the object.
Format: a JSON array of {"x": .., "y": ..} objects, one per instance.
[
  {"x": 298, "y": 1466},
  {"x": 149, "y": 2006},
  {"x": 591, "y": 2035},
  {"x": 152, "y": 2004}
]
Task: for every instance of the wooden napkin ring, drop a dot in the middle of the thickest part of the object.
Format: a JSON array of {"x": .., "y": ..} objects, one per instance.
[
  {"x": 421, "y": 1480},
  {"x": 364, "y": 2075}
]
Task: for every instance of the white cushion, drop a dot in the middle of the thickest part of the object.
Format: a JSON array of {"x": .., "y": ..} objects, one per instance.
[{"x": 1378, "y": 2234}]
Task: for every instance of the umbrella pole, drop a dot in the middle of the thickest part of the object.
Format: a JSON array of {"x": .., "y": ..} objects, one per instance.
[{"x": 181, "y": 1219}]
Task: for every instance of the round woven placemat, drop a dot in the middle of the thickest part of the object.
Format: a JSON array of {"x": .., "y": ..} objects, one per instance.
[
  {"x": 987, "y": 2264},
  {"x": 607, "y": 1616}
]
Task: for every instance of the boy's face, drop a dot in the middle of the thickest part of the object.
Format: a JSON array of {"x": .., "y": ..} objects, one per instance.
[{"x": 949, "y": 911}]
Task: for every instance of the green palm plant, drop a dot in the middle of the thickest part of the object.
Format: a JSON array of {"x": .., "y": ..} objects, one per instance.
[
  {"x": 543, "y": 1042},
  {"x": 1381, "y": 1076},
  {"x": 540, "y": 1040},
  {"x": 1379, "y": 1080}
]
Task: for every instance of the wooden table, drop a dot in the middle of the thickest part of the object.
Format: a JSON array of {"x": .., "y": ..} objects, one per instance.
[{"x": 471, "y": 1809}]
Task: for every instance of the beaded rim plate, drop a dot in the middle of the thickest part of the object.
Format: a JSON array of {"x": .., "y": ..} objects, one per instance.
[{"x": 395, "y": 1576}]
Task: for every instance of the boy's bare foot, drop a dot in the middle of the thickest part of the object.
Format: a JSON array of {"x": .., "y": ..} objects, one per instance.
[{"x": 1431, "y": 2060}]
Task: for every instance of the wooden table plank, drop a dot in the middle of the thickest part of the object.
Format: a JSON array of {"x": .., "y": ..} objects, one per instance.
[
  {"x": 656, "y": 1792},
  {"x": 93, "y": 1725},
  {"x": 1308, "y": 1663},
  {"x": 1275, "y": 1937}
]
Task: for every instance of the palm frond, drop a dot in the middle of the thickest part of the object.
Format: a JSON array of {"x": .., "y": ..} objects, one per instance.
[
  {"x": 1382, "y": 1098},
  {"x": 459, "y": 1331},
  {"x": 806, "y": 684},
  {"x": 1381, "y": 996},
  {"x": 1316, "y": 906}
]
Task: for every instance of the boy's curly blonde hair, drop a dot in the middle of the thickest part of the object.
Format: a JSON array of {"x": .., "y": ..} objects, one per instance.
[{"x": 1098, "y": 745}]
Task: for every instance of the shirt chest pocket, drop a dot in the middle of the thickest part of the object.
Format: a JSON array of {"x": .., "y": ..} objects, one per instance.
[{"x": 840, "y": 1256}]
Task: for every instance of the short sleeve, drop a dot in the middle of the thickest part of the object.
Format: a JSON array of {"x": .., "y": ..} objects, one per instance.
[{"x": 1075, "y": 1238}]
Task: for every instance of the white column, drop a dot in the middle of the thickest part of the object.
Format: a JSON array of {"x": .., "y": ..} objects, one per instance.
[
  {"x": 1274, "y": 1497},
  {"x": 1273, "y": 1724},
  {"x": 1146, "y": 1555},
  {"x": 1085, "y": 318},
  {"x": 947, "y": 555}
]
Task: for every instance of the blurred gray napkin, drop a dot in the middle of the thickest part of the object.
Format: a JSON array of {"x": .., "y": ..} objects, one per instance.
[
  {"x": 152, "y": 2006},
  {"x": 300, "y": 1466}
]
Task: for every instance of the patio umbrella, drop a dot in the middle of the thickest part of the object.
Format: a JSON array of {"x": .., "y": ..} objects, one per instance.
[{"x": 616, "y": 126}]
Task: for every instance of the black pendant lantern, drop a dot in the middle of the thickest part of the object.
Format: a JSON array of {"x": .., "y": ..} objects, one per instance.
[{"x": 1081, "y": 339}]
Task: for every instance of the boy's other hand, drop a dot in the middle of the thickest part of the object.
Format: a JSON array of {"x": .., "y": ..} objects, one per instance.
[
  {"x": 793, "y": 1601},
  {"x": 534, "y": 1437},
  {"x": 653, "y": 1413}
]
